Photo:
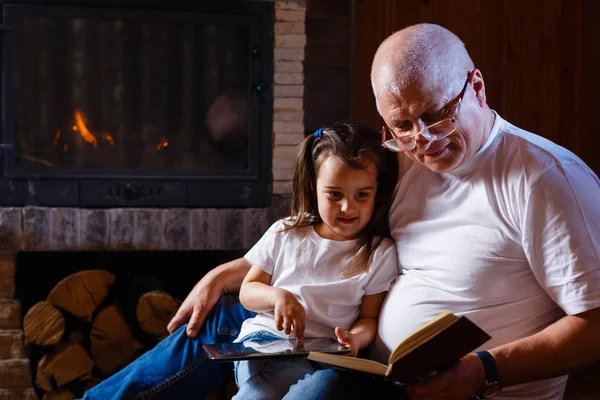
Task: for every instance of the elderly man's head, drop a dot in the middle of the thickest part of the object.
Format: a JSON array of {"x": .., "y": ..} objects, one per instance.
[{"x": 422, "y": 75}]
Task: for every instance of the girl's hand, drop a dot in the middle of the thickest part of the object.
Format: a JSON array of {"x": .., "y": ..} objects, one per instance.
[
  {"x": 348, "y": 339},
  {"x": 289, "y": 314}
]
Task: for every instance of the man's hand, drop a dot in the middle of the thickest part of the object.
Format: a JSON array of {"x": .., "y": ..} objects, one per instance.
[
  {"x": 289, "y": 314},
  {"x": 196, "y": 307},
  {"x": 461, "y": 382},
  {"x": 348, "y": 339},
  {"x": 225, "y": 278}
]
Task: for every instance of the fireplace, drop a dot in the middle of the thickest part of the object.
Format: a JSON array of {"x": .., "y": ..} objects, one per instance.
[
  {"x": 155, "y": 207},
  {"x": 131, "y": 103}
]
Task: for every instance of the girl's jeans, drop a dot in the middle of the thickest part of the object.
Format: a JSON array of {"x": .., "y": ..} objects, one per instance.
[
  {"x": 270, "y": 379},
  {"x": 177, "y": 367}
]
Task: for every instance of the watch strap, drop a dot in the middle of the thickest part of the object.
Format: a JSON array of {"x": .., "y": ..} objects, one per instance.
[{"x": 489, "y": 366}]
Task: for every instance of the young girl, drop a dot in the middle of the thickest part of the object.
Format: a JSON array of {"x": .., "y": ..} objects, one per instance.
[{"x": 324, "y": 270}]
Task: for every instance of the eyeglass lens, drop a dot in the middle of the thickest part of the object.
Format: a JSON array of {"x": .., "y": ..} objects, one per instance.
[{"x": 436, "y": 131}]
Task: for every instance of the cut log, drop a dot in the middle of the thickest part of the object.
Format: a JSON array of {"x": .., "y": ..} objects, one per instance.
[
  {"x": 81, "y": 293},
  {"x": 89, "y": 383},
  {"x": 137, "y": 354},
  {"x": 111, "y": 339},
  {"x": 59, "y": 394},
  {"x": 44, "y": 324},
  {"x": 43, "y": 378},
  {"x": 66, "y": 364},
  {"x": 76, "y": 336},
  {"x": 154, "y": 311}
]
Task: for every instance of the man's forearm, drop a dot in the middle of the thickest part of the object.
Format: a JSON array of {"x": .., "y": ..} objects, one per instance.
[
  {"x": 569, "y": 343},
  {"x": 229, "y": 276}
]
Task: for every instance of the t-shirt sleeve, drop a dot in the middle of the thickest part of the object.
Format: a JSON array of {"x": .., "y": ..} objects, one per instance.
[
  {"x": 384, "y": 268},
  {"x": 264, "y": 253},
  {"x": 561, "y": 236}
]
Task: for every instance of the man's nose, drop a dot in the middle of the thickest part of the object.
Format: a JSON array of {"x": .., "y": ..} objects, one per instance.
[{"x": 423, "y": 138}]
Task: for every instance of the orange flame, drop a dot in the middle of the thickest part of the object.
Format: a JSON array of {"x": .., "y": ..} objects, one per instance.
[
  {"x": 163, "y": 143},
  {"x": 109, "y": 139},
  {"x": 56, "y": 137},
  {"x": 83, "y": 130}
]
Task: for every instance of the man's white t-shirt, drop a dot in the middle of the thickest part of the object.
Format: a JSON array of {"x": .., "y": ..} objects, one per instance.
[
  {"x": 511, "y": 239},
  {"x": 309, "y": 266}
]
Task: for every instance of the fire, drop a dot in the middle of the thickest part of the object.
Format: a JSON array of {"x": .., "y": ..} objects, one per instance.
[
  {"x": 163, "y": 143},
  {"x": 109, "y": 139},
  {"x": 56, "y": 137},
  {"x": 83, "y": 130},
  {"x": 79, "y": 127}
]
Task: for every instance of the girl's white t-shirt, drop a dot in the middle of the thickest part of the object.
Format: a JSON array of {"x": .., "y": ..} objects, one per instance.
[{"x": 309, "y": 266}]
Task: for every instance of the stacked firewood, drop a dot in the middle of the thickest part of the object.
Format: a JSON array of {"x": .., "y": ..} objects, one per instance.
[{"x": 90, "y": 327}]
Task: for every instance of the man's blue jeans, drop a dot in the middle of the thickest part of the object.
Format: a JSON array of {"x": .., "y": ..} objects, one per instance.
[{"x": 177, "y": 367}]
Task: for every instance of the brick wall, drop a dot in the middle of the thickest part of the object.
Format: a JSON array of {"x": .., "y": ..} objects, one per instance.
[
  {"x": 288, "y": 89},
  {"x": 15, "y": 376}
]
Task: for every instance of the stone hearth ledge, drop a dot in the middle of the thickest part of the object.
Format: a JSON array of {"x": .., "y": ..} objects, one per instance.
[{"x": 40, "y": 228}]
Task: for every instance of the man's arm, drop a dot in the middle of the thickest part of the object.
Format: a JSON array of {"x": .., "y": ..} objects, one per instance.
[
  {"x": 225, "y": 278},
  {"x": 568, "y": 344}
]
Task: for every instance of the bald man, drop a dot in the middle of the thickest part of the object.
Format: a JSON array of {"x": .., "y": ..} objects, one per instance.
[{"x": 490, "y": 221}]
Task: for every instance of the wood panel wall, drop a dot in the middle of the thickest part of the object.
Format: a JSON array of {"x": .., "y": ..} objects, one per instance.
[
  {"x": 539, "y": 60},
  {"x": 328, "y": 62}
]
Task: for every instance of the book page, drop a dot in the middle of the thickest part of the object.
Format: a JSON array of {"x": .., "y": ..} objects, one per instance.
[{"x": 358, "y": 364}]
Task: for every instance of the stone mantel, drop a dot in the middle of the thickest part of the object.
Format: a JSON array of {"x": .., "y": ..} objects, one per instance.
[{"x": 41, "y": 229}]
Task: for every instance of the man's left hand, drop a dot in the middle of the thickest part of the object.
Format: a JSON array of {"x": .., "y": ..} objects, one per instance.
[{"x": 461, "y": 382}]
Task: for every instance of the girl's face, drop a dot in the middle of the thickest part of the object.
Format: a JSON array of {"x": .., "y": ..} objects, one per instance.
[{"x": 345, "y": 197}]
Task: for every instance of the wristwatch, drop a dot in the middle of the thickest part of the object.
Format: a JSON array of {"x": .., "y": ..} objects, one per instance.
[{"x": 492, "y": 385}]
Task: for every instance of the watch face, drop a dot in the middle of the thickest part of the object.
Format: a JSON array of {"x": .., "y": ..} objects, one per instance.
[{"x": 491, "y": 390}]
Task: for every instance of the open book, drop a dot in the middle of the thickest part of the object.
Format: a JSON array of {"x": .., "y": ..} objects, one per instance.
[{"x": 434, "y": 346}]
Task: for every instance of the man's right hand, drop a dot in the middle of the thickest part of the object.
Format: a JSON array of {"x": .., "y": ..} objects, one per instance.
[
  {"x": 196, "y": 307},
  {"x": 225, "y": 278}
]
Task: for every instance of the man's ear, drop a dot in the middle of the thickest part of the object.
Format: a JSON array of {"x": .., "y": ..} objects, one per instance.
[{"x": 479, "y": 87}]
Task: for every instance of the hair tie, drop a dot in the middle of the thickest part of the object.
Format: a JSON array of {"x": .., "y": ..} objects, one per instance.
[{"x": 318, "y": 133}]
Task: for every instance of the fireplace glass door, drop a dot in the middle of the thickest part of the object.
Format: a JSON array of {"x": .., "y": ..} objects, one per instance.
[{"x": 130, "y": 93}]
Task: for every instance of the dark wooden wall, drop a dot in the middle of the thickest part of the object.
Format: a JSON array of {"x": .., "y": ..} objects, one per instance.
[
  {"x": 539, "y": 58},
  {"x": 328, "y": 62}
]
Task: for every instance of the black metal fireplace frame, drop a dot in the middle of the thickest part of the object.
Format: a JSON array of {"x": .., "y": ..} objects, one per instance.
[{"x": 107, "y": 188}]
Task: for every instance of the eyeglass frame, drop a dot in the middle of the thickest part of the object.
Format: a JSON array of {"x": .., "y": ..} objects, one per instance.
[{"x": 452, "y": 119}]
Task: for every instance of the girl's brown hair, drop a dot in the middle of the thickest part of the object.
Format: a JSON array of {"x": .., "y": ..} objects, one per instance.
[{"x": 353, "y": 144}]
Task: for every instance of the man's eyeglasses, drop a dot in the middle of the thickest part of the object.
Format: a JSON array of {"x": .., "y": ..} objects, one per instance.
[{"x": 406, "y": 141}]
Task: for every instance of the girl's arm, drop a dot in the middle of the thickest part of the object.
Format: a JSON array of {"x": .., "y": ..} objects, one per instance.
[
  {"x": 364, "y": 330},
  {"x": 258, "y": 295}
]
